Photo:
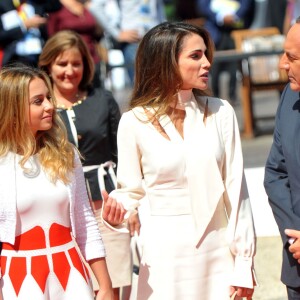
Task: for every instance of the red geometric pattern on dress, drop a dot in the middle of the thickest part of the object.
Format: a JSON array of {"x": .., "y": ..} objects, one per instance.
[
  {"x": 40, "y": 270},
  {"x": 77, "y": 263},
  {"x": 61, "y": 268},
  {"x": 3, "y": 265},
  {"x": 59, "y": 235},
  {"x": 30, "y": 240},
  {"x": 17, "y": 278}
]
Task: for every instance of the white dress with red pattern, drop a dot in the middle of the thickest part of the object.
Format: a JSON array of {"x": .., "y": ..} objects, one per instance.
[{"x": 43, "y": 263}]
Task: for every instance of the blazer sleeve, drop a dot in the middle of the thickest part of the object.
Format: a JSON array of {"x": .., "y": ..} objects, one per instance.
[
  {"x": 277, "y": 182},
  {"x": 87, "y": 232},
  {"x": 129, "y": 171},
  {"x": 240, "y": 232},
  {"x": 129, "y": 168}
]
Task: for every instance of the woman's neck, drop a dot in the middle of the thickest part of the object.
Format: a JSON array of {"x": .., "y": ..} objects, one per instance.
[
  {"x": 69, "y": 98},
  {"x": 183, "y": 97}
]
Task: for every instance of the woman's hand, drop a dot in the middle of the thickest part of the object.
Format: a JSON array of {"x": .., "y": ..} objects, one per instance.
[
  {"x": 134, "y": 224},
  {"x": 113, "y": 212},
  {"x": 105, "y": 295},
  {"x": 99, "y": 268},
  {"x": 242, "y": 292}
]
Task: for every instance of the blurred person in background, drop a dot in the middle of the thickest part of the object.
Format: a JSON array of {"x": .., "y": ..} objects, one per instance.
[
  {"x": 185, "y": 10},
  {"x": 91, "y": 116},
  {"x": 130, "y": 21},
  {"x": 22, "y": 29},
  {"x": 291, "y": 14},
  {"x": 276, "y": 13},
  {"x": 75, "y": 16},
  {"x": 221, "y": 17}
]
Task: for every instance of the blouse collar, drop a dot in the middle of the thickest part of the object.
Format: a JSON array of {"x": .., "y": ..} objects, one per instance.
[{"x": 184, "y": 97}]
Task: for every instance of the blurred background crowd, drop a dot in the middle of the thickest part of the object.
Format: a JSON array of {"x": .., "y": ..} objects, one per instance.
[{"x": 113, "y": 28}]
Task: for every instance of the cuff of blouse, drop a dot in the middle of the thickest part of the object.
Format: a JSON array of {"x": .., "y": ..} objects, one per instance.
[{"x": 244, "y": 273}]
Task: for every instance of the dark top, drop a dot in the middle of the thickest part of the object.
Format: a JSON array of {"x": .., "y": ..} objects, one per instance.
[
  {"x": 9, "y": 38},
  {"x": 97, "y": 120},
  {"x": 282, "y": 178},
  {"x": 245, "y": 14},
  {"x": 84, "y": 25}
]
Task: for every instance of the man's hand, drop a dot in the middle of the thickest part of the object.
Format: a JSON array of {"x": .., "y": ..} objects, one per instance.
[
  {"x": 134, "y": 224},
  {"x": 35, "y": 22},
  {"x": 229, "y": 20},
  {"x": 129, "y": 36},
  {"x": 295, "y": 247},
  {"x": 113, "y": 212}
]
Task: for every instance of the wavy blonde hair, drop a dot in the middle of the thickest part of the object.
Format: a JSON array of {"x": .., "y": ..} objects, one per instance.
[{"x": 55, "y": 153}]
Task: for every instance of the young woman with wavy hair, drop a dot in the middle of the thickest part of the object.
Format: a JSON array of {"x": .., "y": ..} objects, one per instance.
[{"x": 44, "y": 204}]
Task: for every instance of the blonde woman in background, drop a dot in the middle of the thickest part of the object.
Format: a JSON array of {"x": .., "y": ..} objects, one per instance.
[{"x": 91, "y": 116}]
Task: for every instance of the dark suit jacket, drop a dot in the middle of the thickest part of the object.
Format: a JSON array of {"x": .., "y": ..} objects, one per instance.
[
  {"x": 245, "y": 13},
  {"x": 9, "y": 38},
  {"x": 282, "y": 178}
]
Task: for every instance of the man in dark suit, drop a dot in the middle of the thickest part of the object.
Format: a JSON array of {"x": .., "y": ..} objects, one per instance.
[
  {"x": 22, "y": 28},
  {"x": 282, "y": 173}
]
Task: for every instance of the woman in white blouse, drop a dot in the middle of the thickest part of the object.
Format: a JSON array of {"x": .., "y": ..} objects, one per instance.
[
  {"x": 180, "y": 148},
  {"x": 43, "y": 199}
]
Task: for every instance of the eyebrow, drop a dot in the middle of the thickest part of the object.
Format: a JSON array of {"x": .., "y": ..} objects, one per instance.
[
  {"x": 37, "y": 95},
  {"x": 199, "y": 50},
  {"x": 291, "y": 55},
  {"x": 196, "y": 51}
]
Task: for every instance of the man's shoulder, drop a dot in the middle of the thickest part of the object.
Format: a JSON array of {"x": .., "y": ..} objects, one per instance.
[{"x": 288, "y": 90}]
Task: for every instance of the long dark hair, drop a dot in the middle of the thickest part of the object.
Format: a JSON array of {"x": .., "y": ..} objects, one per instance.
[{"x": 157, "y": 76}]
